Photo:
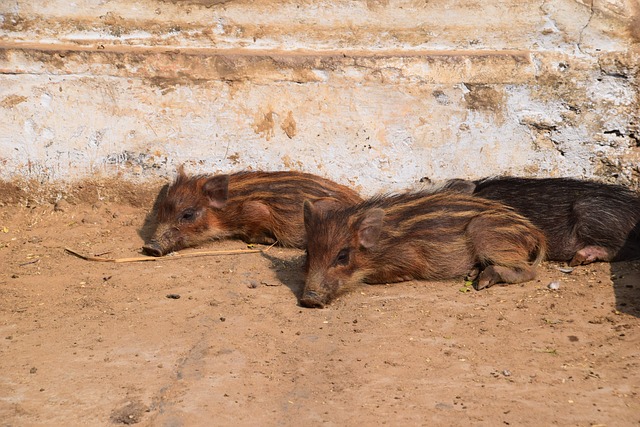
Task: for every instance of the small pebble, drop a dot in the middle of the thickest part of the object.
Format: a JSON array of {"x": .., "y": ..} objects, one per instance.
[
  {"x": 566, "y": 270},
  {"x": 173, "y": 296},
  {"x": 554, "y": 286},
  {"x": 253, "y": 284},
  {"x": 92, "y": 219},
  {"x": 444, "y": 406},
  {"x": 61, "y": 206},
  {"x": 506, "y": 373}
]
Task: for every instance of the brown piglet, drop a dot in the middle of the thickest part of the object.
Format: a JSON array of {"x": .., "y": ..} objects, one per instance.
[
  {"x": 257, "y": 207},
  {"x": 415, "y": 236}
]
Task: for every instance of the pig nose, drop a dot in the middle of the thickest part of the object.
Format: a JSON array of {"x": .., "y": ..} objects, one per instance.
[
  {"x": 152, "y": 249},
  {"x": 311, "y": 299}
]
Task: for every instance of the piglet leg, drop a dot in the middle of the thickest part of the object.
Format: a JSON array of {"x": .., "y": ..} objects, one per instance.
[{"x": 499, "y": 274}]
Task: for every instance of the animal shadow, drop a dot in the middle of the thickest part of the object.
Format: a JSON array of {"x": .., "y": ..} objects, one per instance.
[
  {"x": 626, "y": 286},
  {"x": 290, "y": 271},
  {"x": 150, "y": 224},
  {"x": 626, "y": 275}
]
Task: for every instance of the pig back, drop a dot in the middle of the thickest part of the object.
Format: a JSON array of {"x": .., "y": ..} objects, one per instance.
[
  {"x": 270, "y": 203},
  {"x": 572, "y": 213},
  {"x": 432, "y": 231}
]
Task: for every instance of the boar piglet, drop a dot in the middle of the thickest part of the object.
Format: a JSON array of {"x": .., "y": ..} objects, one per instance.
[
  {"x": 415, "y": 236},
  {"x": 583, "y": 221},
  {"x": 257, "y": 207}
]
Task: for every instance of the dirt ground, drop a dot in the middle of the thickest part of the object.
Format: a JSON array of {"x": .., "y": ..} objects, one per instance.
[{"x": 91, "y": 343}]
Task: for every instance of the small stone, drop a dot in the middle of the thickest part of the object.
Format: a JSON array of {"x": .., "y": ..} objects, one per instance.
[
  {"x": 444, "y": 406},
  {"x": 33, "y": 370},
  {"x": 506, "y": 373},
  {"x": 554, "y": 286},
  {"x": 92, "y": 219},
  {"x": 61, "y": 206},
  {"x": 173, "y": 296}
]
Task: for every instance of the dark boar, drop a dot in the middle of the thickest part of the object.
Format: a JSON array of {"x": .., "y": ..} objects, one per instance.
[
  {"x": 415, "y": 236},
  {"x": 583, "y": 221},
  {"x": 257, "y": 207}
]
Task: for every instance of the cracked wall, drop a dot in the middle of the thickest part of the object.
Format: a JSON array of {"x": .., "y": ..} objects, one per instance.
[{"x": 374, "y": 94}]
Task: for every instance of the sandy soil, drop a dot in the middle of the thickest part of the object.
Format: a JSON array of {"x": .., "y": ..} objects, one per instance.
[{"x": 90, "y": 343}]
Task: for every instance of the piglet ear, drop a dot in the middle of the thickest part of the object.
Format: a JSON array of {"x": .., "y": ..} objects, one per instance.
[
  {"x": 323, "y": 204},
  {"x": 370, "y": 227},
  {"x": 181, "y": 176},
  {"x": 216, "y": 189},
  {"x": 460, "y": 185}
]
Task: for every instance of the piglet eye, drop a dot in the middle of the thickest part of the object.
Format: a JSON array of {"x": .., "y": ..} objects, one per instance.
[
  {"x": 188, "y": 215},
  {"x": 343, "y": 257}
]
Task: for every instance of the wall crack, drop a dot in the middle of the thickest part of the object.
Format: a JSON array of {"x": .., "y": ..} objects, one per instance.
[{"x": 583, "y": 29}]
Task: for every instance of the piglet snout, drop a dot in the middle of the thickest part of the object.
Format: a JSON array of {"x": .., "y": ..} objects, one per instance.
[
  {"x": 311, "y": 299},
  {"x": 152, "y": 248}
]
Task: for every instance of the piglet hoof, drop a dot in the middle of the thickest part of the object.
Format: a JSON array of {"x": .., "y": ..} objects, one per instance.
[
  {"x": 589, "y": 254},
  {"x": 487, "y": 278},
  {"x": 472, "y": 275},
  {"x": 311, "y": 299}
]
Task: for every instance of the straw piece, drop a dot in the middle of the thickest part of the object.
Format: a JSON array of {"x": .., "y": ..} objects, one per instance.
[{"x": 164, "y": 258}]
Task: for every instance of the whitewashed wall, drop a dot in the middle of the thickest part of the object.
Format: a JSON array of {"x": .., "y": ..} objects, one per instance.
[{"x": 375, "y": 93}]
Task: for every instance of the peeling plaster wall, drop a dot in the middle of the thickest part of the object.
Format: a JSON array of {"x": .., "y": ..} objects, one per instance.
[{"x": 372, "y": 93}]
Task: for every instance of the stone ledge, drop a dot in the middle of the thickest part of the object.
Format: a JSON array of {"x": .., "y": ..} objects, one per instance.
[{"x": 436, "y": 67}]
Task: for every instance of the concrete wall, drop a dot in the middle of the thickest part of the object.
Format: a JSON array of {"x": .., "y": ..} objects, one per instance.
[{"x": 374, "y": 93}]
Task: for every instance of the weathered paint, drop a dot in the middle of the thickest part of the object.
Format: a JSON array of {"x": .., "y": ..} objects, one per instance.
[{"x": 376, "y": 94}]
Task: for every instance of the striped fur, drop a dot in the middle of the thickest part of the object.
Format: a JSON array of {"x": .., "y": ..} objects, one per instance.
[
  {"x": 257, "y": 207},
  {"x": 416, "y": 236},
  {"x": 584, "y": 221}
]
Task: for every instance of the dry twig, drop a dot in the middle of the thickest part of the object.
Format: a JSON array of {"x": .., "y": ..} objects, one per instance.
[{"x": 164, "y": 258}]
